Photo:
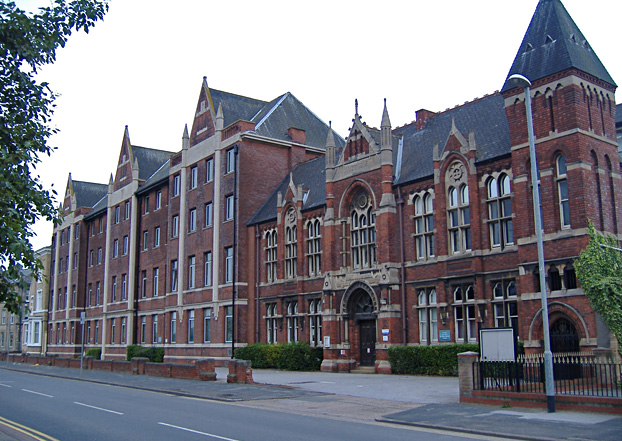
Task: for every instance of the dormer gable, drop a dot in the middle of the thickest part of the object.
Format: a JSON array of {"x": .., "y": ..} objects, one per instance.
[
  {"x": 124, "y": 172},
  {"x": 359, "y": 142},
  {"x": 203, "y": 125}
]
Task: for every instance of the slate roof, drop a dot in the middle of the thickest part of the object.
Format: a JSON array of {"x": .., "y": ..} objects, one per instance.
[
  {"x": 235, "y": 107},
  {"x": 273, "y": 119},
  {"x": 149, "y": 160},
  {"x": 554, "y": 43},
  {"x": 159, "y": 176},
  {"x": 311, "y": 175},
  {"x": 485, "y": 116},
  {"x": 287, "y": 111},
  {"x": 88, "y": 193}
]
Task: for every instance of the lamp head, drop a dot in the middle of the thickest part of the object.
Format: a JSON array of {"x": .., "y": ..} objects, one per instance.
[{"x": 519, "y": 80}]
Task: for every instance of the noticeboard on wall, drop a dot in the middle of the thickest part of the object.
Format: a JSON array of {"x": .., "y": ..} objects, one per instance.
[{"x": 497, "y": 344}]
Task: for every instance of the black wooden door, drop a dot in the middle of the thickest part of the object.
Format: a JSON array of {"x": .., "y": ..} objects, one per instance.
[{"x": 367, "y": 329}]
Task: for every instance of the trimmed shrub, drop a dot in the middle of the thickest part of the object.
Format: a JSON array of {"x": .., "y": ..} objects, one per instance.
[
  {"x": 95, "y": 353},
  {"x": 428, "y": 360},
  {"x": 131, "y": 350},
  {"x": 155, "y": 355},
  {"x": 290, "y": 356}
]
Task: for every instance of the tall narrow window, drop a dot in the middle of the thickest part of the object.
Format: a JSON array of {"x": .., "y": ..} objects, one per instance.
[
  {"x": 156, "y": 281},
  {"x": 113, "y": 328},
  {"x": 500, "y": 212},
  {"x": 230, "y": 160},
  {"x": 191, "y": 326},
  {"x": 154, "y": 330},
  {"x": 115, "y": 248},
  {"x": 127, "y": 210},
  {"x": 209, "y": 170},
  {"x": 192, "y": 220},
  {"x": 114, "y": 289},
  {"x": 291, "y": 245},
  {"x": 176, "y": 185},
  {"x": 173, "y": 275},
  {"x": 143, "y": 329},
  {"x": 315, "y": 322},
  {"x": 504, "y": 304},
  {"x": 123, "y": 329},
  {"x": 363, "y": 232},
  {"x": 458, "y": 211},
  {"x": 156, "y": 237},
  {"x": 97, "y": 293},
  {"x": 126, "y": 245},
  {"x": 314, "y": 246},
  {"x": 158, "y": 203},
  {"x": 562, "y": 188},
  {"x": 173, "y": 327},
  {"x": 229, "y": 207},
  {"x": 271, "y": 244},
  {"x": 191, "y": 271},
  {"x": 464, "y": 314},
  {"x": 124, "y": 287},
  {"x": 228, "y": 323},
  {"x": 175, "y": 226},
  {"x": 193, "y": 177},
  {"x": 271, "y": 323},
  {"x": 424, "y": 226},
  {"x": 292, "y": 322},
  {"x": 208, "y": 214},
  {"x": 143, "y": 284},
  {"x": 145, "y": 240},
  {"x": 228, "y": 264},
  {"x": 207, "y": 325},
  {"x": 208, "y": 268}
]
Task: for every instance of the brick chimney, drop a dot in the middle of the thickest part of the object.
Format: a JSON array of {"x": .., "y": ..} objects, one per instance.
[
  {"x": 297, "y": 135},
  {"x": 423, "y": 116}
]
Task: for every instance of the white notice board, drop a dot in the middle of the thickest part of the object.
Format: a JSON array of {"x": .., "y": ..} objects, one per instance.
[{"x": 497, "y": 344}]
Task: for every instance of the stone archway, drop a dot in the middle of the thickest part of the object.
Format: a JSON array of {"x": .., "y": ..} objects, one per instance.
[{"x": 360, "y": 307}]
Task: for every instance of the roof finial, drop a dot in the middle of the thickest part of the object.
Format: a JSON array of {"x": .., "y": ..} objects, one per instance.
[{"x": 356, "y": 106}]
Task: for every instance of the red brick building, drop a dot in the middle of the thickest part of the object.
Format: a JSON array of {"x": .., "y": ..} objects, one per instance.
[{"x": 417, "y": 235}]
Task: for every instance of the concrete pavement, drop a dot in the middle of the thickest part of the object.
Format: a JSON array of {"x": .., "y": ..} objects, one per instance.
[{"x": 429, "y": 402}]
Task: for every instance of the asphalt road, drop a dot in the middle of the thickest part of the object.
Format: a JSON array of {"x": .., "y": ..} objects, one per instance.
[{"x": 72, "y": 410}]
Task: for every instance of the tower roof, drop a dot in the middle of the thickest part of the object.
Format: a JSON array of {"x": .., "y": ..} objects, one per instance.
[{"x": 554, "y": 43}]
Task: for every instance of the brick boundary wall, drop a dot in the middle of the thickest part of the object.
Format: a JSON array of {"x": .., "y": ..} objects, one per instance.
[
  {"x": 527, "y": 399},
  {"x": 240, "y": 371}
]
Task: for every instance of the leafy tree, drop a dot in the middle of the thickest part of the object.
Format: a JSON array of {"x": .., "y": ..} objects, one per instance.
[
  {"x": 599, "y": 269},
  {"x": 28, "y": 42}
]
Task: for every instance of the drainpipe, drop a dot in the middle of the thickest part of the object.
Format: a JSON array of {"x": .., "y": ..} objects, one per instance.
[
  {"x": 257, "y": 256},
  {"x": 400, "y": 206}
]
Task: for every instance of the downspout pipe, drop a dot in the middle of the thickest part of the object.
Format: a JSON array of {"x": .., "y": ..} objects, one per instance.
[{"x": 400, "y": 211}]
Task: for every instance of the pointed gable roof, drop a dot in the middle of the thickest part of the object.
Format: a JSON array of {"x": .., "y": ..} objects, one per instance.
[
  {"x": 87, "y": 194},
  {"x": 311, "y": 175},
  {"x": 285, "y": 112},
  {"x": 235, "y": 107},
  {"x": 149, "y": 160},
  {"x": 554, "y": 43},
  {"x": 485, "y": 117}
]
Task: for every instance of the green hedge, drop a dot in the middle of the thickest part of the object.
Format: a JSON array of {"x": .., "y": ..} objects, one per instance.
[
  {"x": 290, "y": 356},
  {"x": 428, "y": 360},
  {"x": 95, "y": 353},
  {"x": 155, "y": 355}
]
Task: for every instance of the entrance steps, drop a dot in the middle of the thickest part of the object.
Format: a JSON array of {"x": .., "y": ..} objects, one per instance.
[{"x": 363, "y": 370}]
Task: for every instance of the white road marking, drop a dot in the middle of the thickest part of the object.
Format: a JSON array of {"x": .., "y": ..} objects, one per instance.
[
  {"x": 197, "y": 432},
  {"x": 38, "y": 393},
  {"x": 98, "y": 408},
  {"x": 5, "y": 385}
]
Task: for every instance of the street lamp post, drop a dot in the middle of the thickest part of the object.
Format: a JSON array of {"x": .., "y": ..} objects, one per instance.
[{"x": 521, "y": 81}]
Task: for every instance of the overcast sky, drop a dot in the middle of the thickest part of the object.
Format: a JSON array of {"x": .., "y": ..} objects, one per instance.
[{"x": 143, "y": 65}]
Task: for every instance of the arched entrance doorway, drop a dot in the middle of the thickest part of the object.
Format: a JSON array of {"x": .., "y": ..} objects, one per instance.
[
  {"x": 363, "y": 311},
  {"x": 564, "y": 340},
  {"x": 564, "y": 336}
]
